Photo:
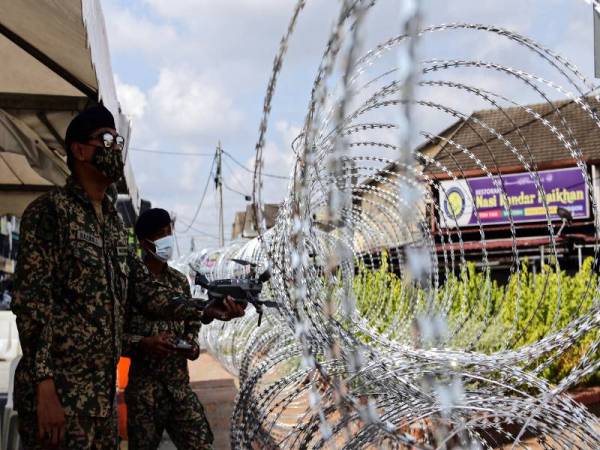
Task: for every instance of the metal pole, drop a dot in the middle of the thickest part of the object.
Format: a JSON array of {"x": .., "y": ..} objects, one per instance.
[
  {"x": 177, "y": 244},
  {"x": 173, "y": 220},
  {"x": 596, "y": 42},
  {"x": 595, "y": 194},
  {"x": 219, "y": 185},
  {"x": 580, "y": 255}
]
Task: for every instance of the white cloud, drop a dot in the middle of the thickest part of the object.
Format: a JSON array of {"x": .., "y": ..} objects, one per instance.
[
  {"x": 192, "y": 9},
  {"x": 133, "y": 101},
  {"x": 129, "y": 32},
  {"x": 193, "y": 171},
  {"x": 288, "y": 133},
  {"x": 277, "y": 159},
  {"x": 186, "y": 103}
]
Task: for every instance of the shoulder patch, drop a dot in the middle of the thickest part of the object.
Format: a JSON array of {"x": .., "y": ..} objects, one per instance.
[
  {"x": 40, "y": 219},
  {"x": 45, "y": 229}
]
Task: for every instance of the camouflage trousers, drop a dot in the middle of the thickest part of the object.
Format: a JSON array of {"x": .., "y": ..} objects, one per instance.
[
  {"x": 81, "y": 433},
  {"x": 152, "y": 408}
]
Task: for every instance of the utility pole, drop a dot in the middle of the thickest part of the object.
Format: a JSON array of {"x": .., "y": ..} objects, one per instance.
[
  {"x": 173, "y": 220},
  {"x": 219, "y": 187},
  {"x": 596, "y": 41}
]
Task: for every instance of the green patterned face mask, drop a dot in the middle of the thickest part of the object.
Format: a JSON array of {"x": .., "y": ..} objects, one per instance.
[{"x": 109, "y": 163}]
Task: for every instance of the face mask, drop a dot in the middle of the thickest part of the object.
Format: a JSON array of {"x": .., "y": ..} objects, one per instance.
[
  {"x": 164, "y": 248},
  {"x": 109, "y": 162}
]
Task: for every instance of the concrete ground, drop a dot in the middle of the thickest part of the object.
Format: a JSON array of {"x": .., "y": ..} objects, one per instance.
[{"x": 216, "y": 389}]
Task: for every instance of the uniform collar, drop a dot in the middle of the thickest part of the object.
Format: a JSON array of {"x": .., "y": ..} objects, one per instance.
[
  {"x": 169, "y": 271},
  {"x": 73, "y": 187},
  {"x": 164, "y": 273}
]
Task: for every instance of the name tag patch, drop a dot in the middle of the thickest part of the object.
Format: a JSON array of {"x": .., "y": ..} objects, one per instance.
[
  {"x": 90, "y": 238},
  {"x": 122, "y": 250}
]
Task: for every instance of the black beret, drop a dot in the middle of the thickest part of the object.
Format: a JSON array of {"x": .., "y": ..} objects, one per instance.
[
  {"x": 86, "y": 122},
  {"x": 151, "y": 221}
]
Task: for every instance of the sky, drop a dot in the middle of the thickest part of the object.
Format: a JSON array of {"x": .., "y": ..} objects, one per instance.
[{"x": 193, "y": 73}]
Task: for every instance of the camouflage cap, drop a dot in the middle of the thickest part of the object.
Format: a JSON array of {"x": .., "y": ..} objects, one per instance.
[
  {"x": 86, "y": 122},
  {"x": 151, "y": 221}
]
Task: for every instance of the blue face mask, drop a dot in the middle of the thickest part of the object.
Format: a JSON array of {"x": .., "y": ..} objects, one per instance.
[{"x": 164, "y": 248}]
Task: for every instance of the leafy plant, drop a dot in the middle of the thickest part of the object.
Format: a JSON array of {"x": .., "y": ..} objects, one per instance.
[{"x": 483, "y": 315}]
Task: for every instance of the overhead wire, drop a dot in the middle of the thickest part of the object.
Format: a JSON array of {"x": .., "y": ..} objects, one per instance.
[
  {"x": 238, "y": 182},
  {"x": 208, "y": 180},
  {"x": 279, "y": 177},
  {"x": 189, "y": 224},
  {"x": 176, "y": 153},
  {"x": 196, "y": 230},
  {"x": 168, "y": 152},
  {"x": 197, "y": 223},
  {"x": 246, "y": 196}
]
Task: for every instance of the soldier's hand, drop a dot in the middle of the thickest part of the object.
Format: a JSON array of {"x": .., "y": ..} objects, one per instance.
[
  {"x": 50, "y": 414},
  {"x": 224, "y": 310},
  {"x": 160, "y": 345},
  {"x": 236, "y": 308},
  {"x": 193, "y": 353}
]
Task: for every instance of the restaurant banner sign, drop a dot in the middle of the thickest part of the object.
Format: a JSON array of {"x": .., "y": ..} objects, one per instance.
[{"x": 491, "y": 198}]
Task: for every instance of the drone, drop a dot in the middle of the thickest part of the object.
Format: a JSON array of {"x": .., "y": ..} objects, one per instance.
[{"x": 242, "y": 290}]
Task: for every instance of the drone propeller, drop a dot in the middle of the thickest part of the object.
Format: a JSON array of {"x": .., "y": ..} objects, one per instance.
[{"x": 244, "y": 262}]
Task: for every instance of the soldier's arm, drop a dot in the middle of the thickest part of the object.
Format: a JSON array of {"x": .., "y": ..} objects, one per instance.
[
  {"x": 157, "y": 300},
  {"x": 130, "y": 338},
  {"x": 130, "y": 344},
  {"x": 192, "y": 327},
  {"x": 33, "y": 287}
]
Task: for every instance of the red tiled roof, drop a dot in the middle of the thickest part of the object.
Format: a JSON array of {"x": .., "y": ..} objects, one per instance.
[{"x": 522, "y": 130}]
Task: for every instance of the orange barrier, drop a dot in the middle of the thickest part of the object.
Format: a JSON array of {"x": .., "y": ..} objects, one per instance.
[
  {"x": 122, "y": 380},
  {"x": 123, "y": 373}
]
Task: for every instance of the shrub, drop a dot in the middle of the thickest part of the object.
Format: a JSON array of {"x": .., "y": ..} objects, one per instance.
[{"x": 483, "y": 315}]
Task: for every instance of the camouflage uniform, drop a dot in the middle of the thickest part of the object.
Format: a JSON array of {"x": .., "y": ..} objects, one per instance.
[
  {"x": 81, "y": 432},
  {"x": 158, "y": 395},
  {"x": 74, "y": 277}
]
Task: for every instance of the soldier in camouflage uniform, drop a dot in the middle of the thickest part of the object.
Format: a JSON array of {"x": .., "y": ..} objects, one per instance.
[
  {"x": 158, "y": 395},
  {"x": 74, "y": 279}
]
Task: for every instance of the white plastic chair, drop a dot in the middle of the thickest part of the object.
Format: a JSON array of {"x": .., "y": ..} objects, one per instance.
[
  {"x": 10, "y": 351},
  {"x": 9, "y": 336},
  {"x": 10, "y": 433}
]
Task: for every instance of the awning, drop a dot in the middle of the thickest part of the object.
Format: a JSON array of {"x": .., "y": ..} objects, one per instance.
[
  {"x": 500, "y": 244},
  {"x": 19, "y": 142},
  {"x": 55, "y": 62}
]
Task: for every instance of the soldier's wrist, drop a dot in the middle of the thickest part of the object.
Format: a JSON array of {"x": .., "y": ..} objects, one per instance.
[
  {"x": 206, "y": 318},
  {"x": 135, "y": 340},
  {"x": 45, "y": 385},
  {"x": 42, "y": 374}
]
